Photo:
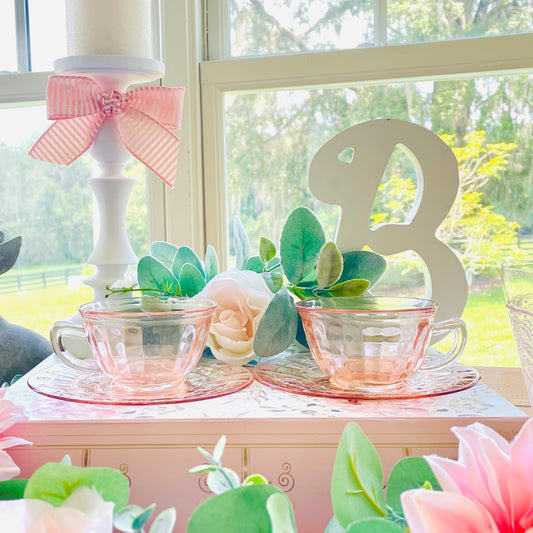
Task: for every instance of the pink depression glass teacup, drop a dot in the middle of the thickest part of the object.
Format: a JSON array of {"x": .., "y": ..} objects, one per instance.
[
  {"x": 375, "y": 343},
  {"x": 142, "y": 343}
]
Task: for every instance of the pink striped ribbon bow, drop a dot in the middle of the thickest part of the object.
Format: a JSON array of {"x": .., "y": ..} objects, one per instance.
[{"x": 145, "y": 118}]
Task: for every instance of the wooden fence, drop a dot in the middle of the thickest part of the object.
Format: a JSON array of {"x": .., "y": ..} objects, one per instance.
[{"x": 10, "y": 283}]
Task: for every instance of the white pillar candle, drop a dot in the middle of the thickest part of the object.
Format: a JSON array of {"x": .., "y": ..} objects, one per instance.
[{"x": 114, "y": 27}]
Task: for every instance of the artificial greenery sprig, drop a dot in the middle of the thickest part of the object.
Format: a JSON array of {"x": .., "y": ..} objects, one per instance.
[
  {"x": 312, "y": 267},
  {"x": 305, "y": 266}
]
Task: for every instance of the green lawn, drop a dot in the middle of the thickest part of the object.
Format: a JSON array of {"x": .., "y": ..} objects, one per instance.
[{"x": 490, "y": 340}]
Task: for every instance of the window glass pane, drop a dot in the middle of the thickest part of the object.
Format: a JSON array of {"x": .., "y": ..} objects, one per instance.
[
  {"x": 438, "y": 20},
  {"x": 271, "y": 138},
  {"x": 50, "y": 206},
  {"x": 8, "y": 38},
  {"x": 283, "y": 26},
  {"x": 48, "y": 39}
]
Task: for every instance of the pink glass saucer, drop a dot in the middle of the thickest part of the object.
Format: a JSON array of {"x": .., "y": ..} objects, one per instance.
[
  {"x": 298, "y": 373},
  {"x": 210, "y": 379}
]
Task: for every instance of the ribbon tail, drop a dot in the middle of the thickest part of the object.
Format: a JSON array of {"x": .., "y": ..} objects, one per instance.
[
  {"x": 150, "y": 142},
  {"x": 65, "y": 140}
]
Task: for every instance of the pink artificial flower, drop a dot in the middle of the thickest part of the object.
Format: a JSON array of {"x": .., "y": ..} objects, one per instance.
[
  {"x": 10, "y": 414},
  {"x": 489, "y": 489}
]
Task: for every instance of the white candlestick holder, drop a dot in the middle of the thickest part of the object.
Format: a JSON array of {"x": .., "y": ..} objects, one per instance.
[{"x": 112, "y": 253}]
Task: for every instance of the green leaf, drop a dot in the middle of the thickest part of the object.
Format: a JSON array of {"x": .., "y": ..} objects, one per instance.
[
  {"x": 186, "y": 255},
  {"x": 361, "y": 264},
  {"x": 66, "y": 460},
  {"x": 142, "y": 518},
  {"x": 152, "y": 274},
  {"x": 281, "y": 513},
  {"x": 192, "y": 281},
  {"x": 274, "y": 280},
  {"x": 164, "y": 252},
  {"x": 277, "y": 327},
  {"x": 243, "y": 510},
  {"x": 334, "y": 526},
  {"x": 218, "y": 452},
  {"x": 352, "y": 287},
  {"x": 211, "y": 263},
  {"x": 222, "y": 479},
  {"x": 301, "y": 240},
  {"x": 274, "y": 264},
  {"x": 255, "y": 264},
  {"x": 408, "y": 473},
  {"x": 255, "y": 479},
  {"x": 12, "y": 489},
  {"x": 164, "y": 522},
  {"x": 357, "y": 479},
  {"x": 202, "y": 468},
  {"x": 267, "y": 250},
  {"x": 242, "y": 243},
  {"x": 329, "y": 266},
  {"x": 54, "y": 482},
  {"x": 374, "y": 525},
  {"x": 123, "y": 520}
]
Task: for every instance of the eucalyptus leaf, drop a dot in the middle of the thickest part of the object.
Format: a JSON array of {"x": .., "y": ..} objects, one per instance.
[
  {"x": 242, "y": 243},
  {"x": 334, "y": 526},
  {"x": 164, "y": 252},
  {"x": 274, "y": 280},
  {"x": 54, "y": 482},
  {"x": 274, "y": 264},
  {"x": 12, "y": 489},
  {"x": 277, "y": 328},
  {"x": 186, "y": 255},
  {"x": 357, "y": 479},
  {"x": 352, "y": 287},
  {"x": 192, "y": 281},
  {"x": 255, "y": 264},
  {"x": 66, "y": 460},
  {"x": 201, "y": 469},
  {"x": 300, "y": 333},
  {"x": 222, "y": 479},
  {"x": 329, "y": 266},
  {"x": 374, "y": 525},
  {"x": 267, "y": 250},
  {"x": 301, "y": 240},
  {"x": 218, "y": 452},
  {"x": 281, "y": 514},
  {"x": 243, "y": 510},
  {"x": 152, "y": 274},
  {"x": 211, "y": 263},
  {"x": 362, "y": 264},
  {"x": 164, "y": 522},
  {"x": 255, "y": 479},
  {"x": 123, "y": 520},
  {"x": 408, "y": 473},
  {"x": 142, "y": 518}
]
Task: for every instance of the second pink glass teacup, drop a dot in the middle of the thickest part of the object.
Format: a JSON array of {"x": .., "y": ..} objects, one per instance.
[
  {"x": 376, "y": 343},
  {"x": 142, "y": 343}
]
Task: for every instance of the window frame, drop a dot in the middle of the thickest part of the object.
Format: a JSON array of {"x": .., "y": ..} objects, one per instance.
[{"x": 480, "y": 56}]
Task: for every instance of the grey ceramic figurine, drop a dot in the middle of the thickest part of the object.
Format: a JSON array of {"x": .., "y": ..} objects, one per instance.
[{"x": 20, "y": 348}]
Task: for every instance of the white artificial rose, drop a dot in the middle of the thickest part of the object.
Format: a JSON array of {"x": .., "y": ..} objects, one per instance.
[
  {"x": 242, "y": 297},
  {"x": 84, "y": 511}
]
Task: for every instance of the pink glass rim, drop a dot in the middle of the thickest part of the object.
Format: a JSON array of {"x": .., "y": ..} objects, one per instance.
[
  {"x": 111, "y": 307},
  {"x": 388, "y": 304}
]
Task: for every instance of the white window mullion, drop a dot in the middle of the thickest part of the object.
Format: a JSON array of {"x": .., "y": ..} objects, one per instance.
[
  {"x": 380, "y": 22},
  {"x": 23, "y": 38},
  {"x": 181, "y": 214}
]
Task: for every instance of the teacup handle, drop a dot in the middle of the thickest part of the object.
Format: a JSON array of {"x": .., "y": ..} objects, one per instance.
[
  {"x": 457, "y": 327},
  {"x": 58, "y": 331}
]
